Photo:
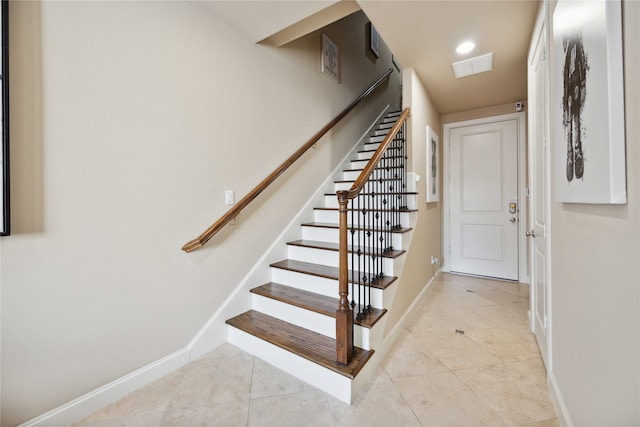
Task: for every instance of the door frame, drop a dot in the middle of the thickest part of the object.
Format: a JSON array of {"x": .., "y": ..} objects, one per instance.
[
  {"x": 520, "y": 117},
  {"x": 541, "y": 34}
]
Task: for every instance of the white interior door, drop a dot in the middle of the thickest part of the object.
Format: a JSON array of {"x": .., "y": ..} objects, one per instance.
[
  {"x": 539, "y": 196},
  {"x": 483, "y": 208}
]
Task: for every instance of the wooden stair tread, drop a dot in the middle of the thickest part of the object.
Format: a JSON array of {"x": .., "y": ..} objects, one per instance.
[
  {"x": 313, "y": 302},
  {"x": 383, "y": 158},
  {"x": 396, "y": 193},
  {"x": 374, "y": 150},
  {"x": 312, "y": 346},
  {"x": 331, "y": 225},
  {"x": 327, "y": 272},
  {"x": 336, "y": 247},
  {"x": 347, "y": 181},
  {"x": 361, "y": 169},
  {"x": 368, "y": 210}
]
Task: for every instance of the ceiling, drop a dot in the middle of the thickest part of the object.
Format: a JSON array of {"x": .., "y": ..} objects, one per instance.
[{"x": 423, "y": 35}]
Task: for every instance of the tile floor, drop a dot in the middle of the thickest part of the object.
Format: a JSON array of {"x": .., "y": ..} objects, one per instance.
[{"x": 491, "y": 375}]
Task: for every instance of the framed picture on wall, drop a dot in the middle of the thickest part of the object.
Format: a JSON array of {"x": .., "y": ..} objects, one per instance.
[
  {"x": 4, "y": 119},
  {"x": 375, "y": 41},
  {"x": 433, "y": 154},
  {"x": 395, "y": 62},
  {"x": 330, "y": 59},
  {"x": 588, "y": 110}
]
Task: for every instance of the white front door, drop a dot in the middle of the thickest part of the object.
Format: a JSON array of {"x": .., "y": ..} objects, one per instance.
[
  {"x": 538, "y": 194},
  {"x": 483, "y": 208}
]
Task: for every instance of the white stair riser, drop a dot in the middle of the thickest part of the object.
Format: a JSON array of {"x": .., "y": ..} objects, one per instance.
[
  {"x": 365, "y": 155},
  {"x": 331, "y": 201},
  {"x": 379, "y": 132},
  {"x": 331, "y": 235},
  {"x": 331, "y": 258},
  {"x": 379, "y": 138},
  {"x": 333, "y": 217},
  {"x": 370, "y": 186},
  {"x": 326, "y": 380},
  {"x": 361, "y": 164},
  {"x": 371, "y": 146},
  {"x": 320, "y": 285},
  {"x": 368, "y": 153},
  {"x": 310, "y": 320},
  {"x": 358, "y": 164},
  {"x": 352, "y": 173},
  {"x": 387, "y": 125}
]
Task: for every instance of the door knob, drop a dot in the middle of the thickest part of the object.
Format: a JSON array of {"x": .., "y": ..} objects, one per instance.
[
  {"x": 513, "y": 220},
  {"x": 531, "y": 233}
]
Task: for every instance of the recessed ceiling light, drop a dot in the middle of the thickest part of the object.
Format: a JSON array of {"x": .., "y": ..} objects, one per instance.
[{"x": 465, "y": 47}]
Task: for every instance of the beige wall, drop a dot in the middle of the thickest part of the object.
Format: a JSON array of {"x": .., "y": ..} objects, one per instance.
[
  {"x": 426, "y": 239},
  {"x": 128, "y": 122},
  {"x": 595, "y": 293}
]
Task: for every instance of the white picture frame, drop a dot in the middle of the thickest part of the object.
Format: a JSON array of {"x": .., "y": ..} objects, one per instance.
[
  {"x": 330, "y": 62},
  {"x": 433, "y": 166},
  {"x": 588, "y": 108}
]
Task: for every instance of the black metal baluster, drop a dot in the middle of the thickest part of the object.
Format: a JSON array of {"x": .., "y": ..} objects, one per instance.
[
  {"x": 353, "y": 260},
  {"x": 379, "y": 240},
  {"x": 404, "y": 166},
  {"x": 366, "y": 281},
  {"x": 386, "y": 205},
  {"x": 398, "y": 184}
]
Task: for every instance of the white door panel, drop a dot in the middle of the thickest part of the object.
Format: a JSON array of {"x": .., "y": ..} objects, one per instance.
[
  {"x": 483, "y": 165},
  {"x": 539, "y": 195}
]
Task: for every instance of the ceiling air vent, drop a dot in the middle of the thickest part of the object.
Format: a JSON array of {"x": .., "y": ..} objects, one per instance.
[{"x": 479, "y": 64}]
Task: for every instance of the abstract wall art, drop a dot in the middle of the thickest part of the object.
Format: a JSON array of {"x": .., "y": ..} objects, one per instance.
[
  {"x": 433, "y": 154},
  {"x": 590, "y": 165}
]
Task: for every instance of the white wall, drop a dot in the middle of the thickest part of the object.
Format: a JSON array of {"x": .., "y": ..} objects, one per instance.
[
  {"x": 596, "y": 281},
  {"x": 128, "y": 122}
]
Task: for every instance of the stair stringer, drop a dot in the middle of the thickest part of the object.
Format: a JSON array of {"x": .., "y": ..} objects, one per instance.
[{"x": 215, "y": 332}]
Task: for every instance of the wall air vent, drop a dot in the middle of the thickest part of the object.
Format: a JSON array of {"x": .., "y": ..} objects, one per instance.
[{"x": 468, "y": 67}]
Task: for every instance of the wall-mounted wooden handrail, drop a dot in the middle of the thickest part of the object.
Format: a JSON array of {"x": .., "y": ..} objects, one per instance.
[{"x": 246, "y": 200}]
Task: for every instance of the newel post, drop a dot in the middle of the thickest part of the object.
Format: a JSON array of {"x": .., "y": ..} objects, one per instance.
[{"x": 344, "y": 315}]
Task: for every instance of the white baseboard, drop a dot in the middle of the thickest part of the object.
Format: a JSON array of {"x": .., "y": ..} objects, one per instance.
[
  {"x": 93, "y": 401},
  {"x": 212, "y": 335},
  {"x": 558, "y": 402},
  {"x": 390, "y": 338}
]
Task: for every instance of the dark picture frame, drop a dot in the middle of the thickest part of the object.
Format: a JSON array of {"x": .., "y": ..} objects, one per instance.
[
  {"x": 374, "y": 44},
  {"x": 5, "y": 221}
]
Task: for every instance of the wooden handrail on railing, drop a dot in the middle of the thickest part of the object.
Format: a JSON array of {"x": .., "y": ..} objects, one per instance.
[
  {"x": 344, "y": 313},
  {"x": 246, "y": 200}
]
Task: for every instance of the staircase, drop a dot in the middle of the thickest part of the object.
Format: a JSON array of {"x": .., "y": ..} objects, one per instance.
[{"x": 292, "y": 323}]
